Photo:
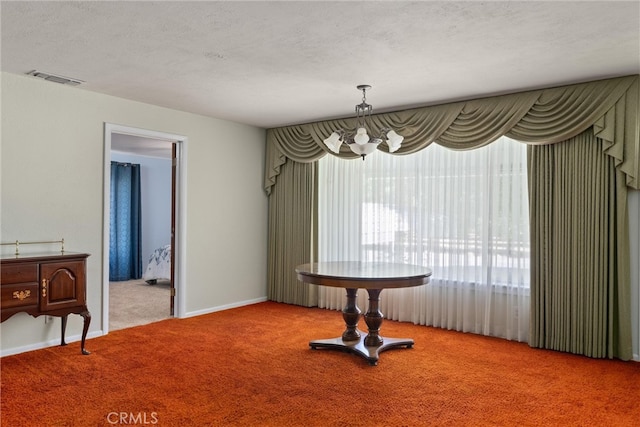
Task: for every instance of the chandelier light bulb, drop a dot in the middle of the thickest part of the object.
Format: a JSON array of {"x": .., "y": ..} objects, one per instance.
[
  {"x": 333, "y": 142},
  {"x": 394, "y": 141},
  {"x": 361, "y": 137}
]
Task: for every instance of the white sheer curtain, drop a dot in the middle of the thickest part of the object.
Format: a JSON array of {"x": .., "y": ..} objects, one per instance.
[{"x": 464, "y": 214}]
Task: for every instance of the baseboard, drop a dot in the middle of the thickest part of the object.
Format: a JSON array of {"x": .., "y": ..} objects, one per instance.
[
  {"x": 76, "y": 338},
  {"x": 95, "y": 334},
  {"x": 51, "y": 343},
  {"x": 224, "y": 307}
]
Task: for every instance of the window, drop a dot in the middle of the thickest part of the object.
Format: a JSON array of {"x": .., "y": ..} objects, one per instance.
[{"x": 464, "y": 214}]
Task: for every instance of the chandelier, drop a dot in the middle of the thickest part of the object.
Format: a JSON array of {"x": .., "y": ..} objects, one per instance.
[{"x": 360, "y": 141}]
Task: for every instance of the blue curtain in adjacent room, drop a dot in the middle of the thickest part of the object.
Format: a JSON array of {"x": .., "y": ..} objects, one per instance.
[{"x": 125, "y": 243}]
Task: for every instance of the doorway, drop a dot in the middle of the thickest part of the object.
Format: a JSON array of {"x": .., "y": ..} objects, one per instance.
[{"x": 156, "y": 145}]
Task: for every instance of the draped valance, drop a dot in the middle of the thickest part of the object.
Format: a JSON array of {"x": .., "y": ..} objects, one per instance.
[{"x": 544, "y": 116}]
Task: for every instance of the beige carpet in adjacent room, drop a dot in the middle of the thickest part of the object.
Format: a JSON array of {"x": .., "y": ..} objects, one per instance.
[{"x": 134, "y": 303}]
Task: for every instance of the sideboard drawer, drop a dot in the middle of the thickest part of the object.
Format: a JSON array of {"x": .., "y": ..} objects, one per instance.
[
  {"x": 18, "y": 274},
  {"x": 19, "y": 295}
]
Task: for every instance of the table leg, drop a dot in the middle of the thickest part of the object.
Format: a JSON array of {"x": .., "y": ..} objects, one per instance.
[
  {"x": 351, "y": 316},
  {"x": 373, "y": 317},
  {"x": 371, "y": 345},
  {"x": 374, "y": 344}
]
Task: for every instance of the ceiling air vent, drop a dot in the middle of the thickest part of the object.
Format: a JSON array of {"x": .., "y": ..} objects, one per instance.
[{"x": 55, "y": 79}]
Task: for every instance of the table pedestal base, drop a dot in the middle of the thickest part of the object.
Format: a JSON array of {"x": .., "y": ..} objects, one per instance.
[{"x": 371, "y": 353}]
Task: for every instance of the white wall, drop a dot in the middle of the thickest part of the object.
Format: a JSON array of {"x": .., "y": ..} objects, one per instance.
[
  {"x": 52, "y": 157},
  {"x": 155, "y": 189}
]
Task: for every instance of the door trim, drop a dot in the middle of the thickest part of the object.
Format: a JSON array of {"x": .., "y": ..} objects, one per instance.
[{"x": 179, "y": 214}]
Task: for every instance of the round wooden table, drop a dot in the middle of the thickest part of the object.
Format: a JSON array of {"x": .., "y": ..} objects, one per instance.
[{"x": 374, "y": 277}]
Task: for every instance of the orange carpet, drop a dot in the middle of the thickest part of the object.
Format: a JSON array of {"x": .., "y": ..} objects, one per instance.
[{"x": 252, "y": 366}]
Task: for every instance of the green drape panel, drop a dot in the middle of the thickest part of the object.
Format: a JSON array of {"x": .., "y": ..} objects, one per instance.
[
  {"x": 291, "y": 234},
  {"x": 580, "y": 294}
]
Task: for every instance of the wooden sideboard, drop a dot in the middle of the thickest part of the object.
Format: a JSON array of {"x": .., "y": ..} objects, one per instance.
[{"x": 50, "y": 284}]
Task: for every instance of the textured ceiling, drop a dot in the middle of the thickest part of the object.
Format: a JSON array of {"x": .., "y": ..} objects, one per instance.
[{"x": 270, "y": 64}]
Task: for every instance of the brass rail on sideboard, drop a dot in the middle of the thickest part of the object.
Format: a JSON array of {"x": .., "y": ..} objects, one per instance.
[{"x": 17, "y": 244}]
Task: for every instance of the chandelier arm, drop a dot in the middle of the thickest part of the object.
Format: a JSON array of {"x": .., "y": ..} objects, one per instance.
[{"x": 383, "y": 133}]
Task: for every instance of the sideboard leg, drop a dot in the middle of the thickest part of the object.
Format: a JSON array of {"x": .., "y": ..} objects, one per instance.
[
  {"x": 64, "y": 328},
  {"x": 87, "y": 320}
]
